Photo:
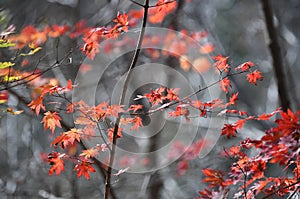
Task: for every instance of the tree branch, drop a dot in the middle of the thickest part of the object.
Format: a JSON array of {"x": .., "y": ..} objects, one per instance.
[
  {"x": 122, "y": 98},
  {"x": 275, "y": 49}
]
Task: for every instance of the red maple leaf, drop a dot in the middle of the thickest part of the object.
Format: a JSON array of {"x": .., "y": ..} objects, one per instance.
[
  {"x": 172, "y": 94},
  {"x": 156, "y": 96},
  {"x": 245, "y": 66},
  {"x": 266, "y": 116},
  {"x": 214, "y": 177},
  {"x": 160, "y": 11},
  {"x": 90, "y": 48},
  {"x": 137, "y": 123},
  {"x": 229, "y": 130},
  {"x": 221, "y": 63},
  {"x": 110, "y": 133},
  {"x": 253, "y": 77},
  {"x": 57, "y": 30},
  {"x": 135, "y": 107},
  {"x": 181, "y": 111},
  {"x": 68, "y": 138},
  {"x": 288, "y": 123},
  {"x": 233, "y": 99},
  {"x": 224, "y": 84},
  {"x": 37, "y": 105},
  {"x": 114, "y": 110},
  {"x": 56, "y": 162},
  {"x": 84, "y": 168},
  {"x": 51, "y": 120},
  {"x": 3, "y": 97},
  {"x": 122, "y": 22},
  {"x": 89, "y": 153},
  {"x": 240, "y": 123}
]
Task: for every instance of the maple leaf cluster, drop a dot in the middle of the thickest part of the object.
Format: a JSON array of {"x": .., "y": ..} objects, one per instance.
[{"x": 279, "y": 145}]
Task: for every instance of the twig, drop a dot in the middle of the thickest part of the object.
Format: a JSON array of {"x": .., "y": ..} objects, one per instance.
[
  {"x": 162, "y": 4},
  {"x": 274, "y": 192},
  {"x": 242, "y": 170},
  {"x": 296, "y": 190},
  {"x": 124, "y": 90},
  {"x": 137, "y": 3},
  {"x": 167, "y": 105},
  {"x": 36, "y": 75},
  {"x": 144, "y": 186},
  {"x": 91, "y": 119},
  {"x": 65, "y": 126}
]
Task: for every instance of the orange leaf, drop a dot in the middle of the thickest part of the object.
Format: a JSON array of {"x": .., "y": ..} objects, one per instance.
[
  {"x": 114, "y": 110},
  {"x": 158, "y": 13},
  {"x": 233, "y": 98},
  {"x": 221, "y": 63},
  {"x": 89, "y": 153},
  {"x": 156, "y": 96},
  {"x": 69, "y": 85},
  {"x": 214, "y": 177},
  {"x": 266, "y": 116},
  {"x": 110, "y": 133},
  {"x": 229, "y": 130},
  {"x": 245, "y": 66},
  {"x": 121, "y": 19},
  {"x": 57, "y": 30},
  {"x": 253, "y": 77},
  {"x": 36, "y": 105},
  {"x": 172, "y": 94},
  {"x": 137, "y": 122},
  {"x": 181, "y": 111},
  {"x": 3, "y": 97},
  {"x": 135, "y": 107},
  {"x": 51, "y": 120},
  {"x": 67, "y": 138},
  {"x": 56, "y": 162},
  {"x": 224, "y": 84},
  {"x": 90, "y": 48},
  {"x": 84, "y": 168}
]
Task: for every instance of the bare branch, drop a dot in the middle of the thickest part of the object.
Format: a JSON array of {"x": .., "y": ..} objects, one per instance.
[{"x": 124, "y": 90}]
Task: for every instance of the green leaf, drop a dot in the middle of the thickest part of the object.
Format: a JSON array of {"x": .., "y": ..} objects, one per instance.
[{"x": 6, "y": 64}]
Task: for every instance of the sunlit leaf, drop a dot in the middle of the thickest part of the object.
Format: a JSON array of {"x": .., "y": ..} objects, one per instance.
[{"x": 6, "y": 64}]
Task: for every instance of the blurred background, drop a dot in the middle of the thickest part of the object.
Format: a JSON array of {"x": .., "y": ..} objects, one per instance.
[{"x": 237, "y": 28}]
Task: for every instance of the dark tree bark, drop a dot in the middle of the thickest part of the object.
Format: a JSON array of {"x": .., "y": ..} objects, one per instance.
[{"x": 275, "y": 50}]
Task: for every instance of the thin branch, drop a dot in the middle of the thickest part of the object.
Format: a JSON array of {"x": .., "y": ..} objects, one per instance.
[
  {"x": 122, "y": 98},
  {"x": 167, "y": 105},
  {"x": 88, "y": 117},
  {"x": 286, "y": 187},
  {"x": 36, "y": 75},
  {"x": 153, "y": 6},
  {"x": 291, "y": 196},
  {"x": 65, "y": 126},
  {"x": 144, "y": 186},
  {"x": 242, "y": 170},
  {"x": 137, "y": 3}
]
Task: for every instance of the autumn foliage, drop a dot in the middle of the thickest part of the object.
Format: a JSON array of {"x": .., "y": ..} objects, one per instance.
[{"x": 250, "y": 158}]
